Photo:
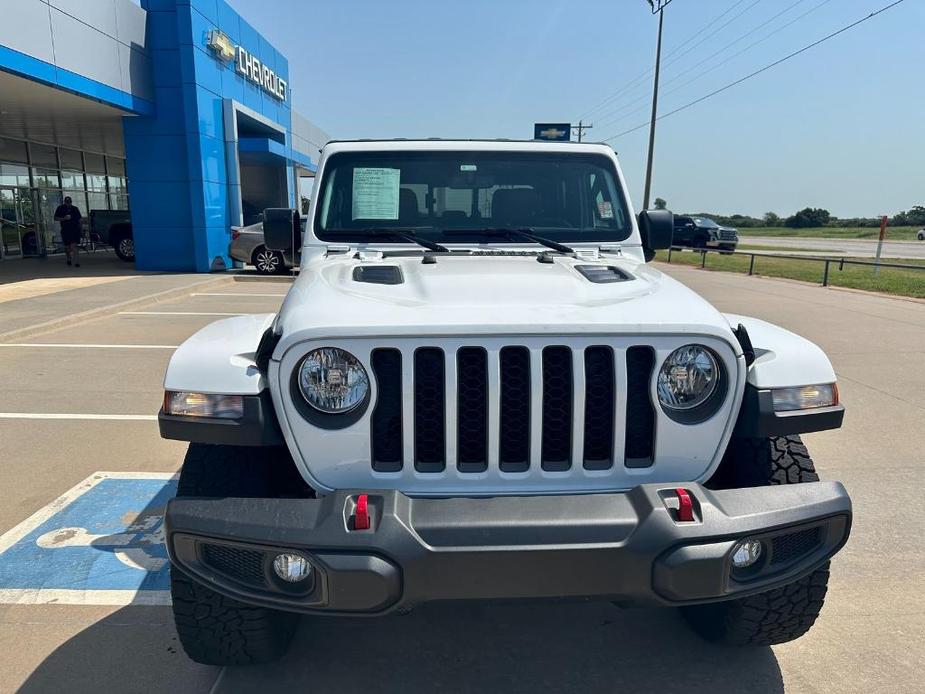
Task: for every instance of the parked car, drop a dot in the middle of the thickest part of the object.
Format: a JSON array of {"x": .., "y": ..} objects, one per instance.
[
  {"x": 114, "y": 228},
  {"x": 921, "y": 235},
  {"x": 701, "y": 232},
  {"x": 248, "y": 246},
  {"x": 514, "y": 406}
]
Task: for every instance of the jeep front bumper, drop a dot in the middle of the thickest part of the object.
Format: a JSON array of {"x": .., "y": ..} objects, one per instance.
[{"x": 627, "y": 547}]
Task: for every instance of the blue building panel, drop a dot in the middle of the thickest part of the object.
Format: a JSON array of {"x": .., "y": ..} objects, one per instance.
[
  {"x": 210, "y": 165},
  {"x": 229, "y": 21},
  {"x": 162, "y": 26},
  {"x": 164, "y": 248},
  {"x": 155, "y": 158},
  {"x": 207, "y": 8},
  {"x": 209, "y": 203}
]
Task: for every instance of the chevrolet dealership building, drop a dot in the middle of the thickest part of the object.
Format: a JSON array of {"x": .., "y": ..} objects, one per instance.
[{"x": 175, "y": 111}]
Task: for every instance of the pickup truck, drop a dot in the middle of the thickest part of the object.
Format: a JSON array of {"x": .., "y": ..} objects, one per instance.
[{"x": 701, "y": 232}]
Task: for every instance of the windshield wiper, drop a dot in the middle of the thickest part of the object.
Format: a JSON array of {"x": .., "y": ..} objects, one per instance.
[
  {"x": 406, "y": 234},
  {"x": 508, "y": 232}
]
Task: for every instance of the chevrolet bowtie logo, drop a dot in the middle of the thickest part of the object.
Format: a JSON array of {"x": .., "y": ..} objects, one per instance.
[
  {"x": 221, "y": 45},
  {"x": 552, "y": 132}
]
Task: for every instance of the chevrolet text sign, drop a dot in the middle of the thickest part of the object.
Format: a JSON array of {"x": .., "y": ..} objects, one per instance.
[{"x": 247, "y": 65}]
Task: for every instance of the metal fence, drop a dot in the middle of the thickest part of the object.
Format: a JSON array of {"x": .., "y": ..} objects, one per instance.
[{"x": 827, "y": 262}]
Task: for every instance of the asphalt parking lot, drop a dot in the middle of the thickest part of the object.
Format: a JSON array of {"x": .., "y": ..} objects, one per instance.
[{"x": 69, "y": 625}]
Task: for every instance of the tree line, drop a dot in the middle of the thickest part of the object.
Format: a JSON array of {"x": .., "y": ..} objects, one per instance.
[{"x": 808, "y": 217}]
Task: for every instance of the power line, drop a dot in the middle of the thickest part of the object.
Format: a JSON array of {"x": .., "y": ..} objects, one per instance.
[
  {"x": 760, "y": 70},
  {"x": 643, "y": 76},
  {"x": 706, "y": 38},
  {"x": 744, "y": 36},
  {"x": 747, "y": 48},
  {"x": 609, "y": 121}
]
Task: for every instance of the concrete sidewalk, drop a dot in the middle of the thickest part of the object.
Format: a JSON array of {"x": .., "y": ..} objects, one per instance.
[{"x": 41, "y": 295}]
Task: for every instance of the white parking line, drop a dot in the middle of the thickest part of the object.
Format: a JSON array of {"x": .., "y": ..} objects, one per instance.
[
  {"x": 83, "y": 346},
  {"x": 235, "y": 294},
  {"x": 176, "y": 313},
  {"x": 63, "y": 415}
]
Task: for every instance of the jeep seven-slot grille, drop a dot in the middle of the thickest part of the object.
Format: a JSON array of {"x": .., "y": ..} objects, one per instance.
[{"x": 547, "y": 380}]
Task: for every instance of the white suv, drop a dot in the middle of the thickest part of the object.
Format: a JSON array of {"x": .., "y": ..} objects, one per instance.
[{"x": 478, "y": 388}]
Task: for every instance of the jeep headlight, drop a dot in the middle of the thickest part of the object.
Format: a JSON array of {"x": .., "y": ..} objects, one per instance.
[
  {"x": 332, "y": 380},
  {"x": 690, "y": 384}
]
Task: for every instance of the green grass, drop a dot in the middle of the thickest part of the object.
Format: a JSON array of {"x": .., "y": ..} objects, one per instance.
[
  {"x": 888, "y": 280},
  {"x": 892, "y": 233}
]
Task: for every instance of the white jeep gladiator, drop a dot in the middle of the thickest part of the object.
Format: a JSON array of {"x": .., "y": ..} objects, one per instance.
[{"x": 479, "y": 389}]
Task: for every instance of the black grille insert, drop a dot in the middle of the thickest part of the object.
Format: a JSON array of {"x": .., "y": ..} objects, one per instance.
[
  {"x": 793, "y": 546},
  {"x": 386, "y": 420},
  {"x": 514, "y": 425},
  {"x": 600, "y": 391},
  {"x": 472, "y": 409},
  {"x": 244, "y": 565},
  {"x": 429, "y": 410},
  {"x": 640, "y": 414},
  {"x": 557, "y": 408}
]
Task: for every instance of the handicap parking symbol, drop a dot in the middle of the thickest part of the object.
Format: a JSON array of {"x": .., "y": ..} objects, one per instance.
[{"x": 100, "y": 543}]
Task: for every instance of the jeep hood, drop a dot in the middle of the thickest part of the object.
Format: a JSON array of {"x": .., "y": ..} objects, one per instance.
[{"x": 502, "y": 294}]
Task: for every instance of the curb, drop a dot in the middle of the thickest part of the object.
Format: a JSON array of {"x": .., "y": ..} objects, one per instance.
[
  {"x": 285, "y": 279},
  {"x": 101, "y": 311}
]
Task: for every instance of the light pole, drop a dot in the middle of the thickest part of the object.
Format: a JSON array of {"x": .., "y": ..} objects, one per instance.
[{"x": 658, "y": 6}]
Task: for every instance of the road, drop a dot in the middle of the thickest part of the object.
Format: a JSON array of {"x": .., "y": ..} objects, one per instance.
[
  {"x": 870, "y": 637},
  {"x": 858, "y": 248}
]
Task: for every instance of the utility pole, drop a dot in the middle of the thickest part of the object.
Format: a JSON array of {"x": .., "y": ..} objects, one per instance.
[
  {"x": 581, "y": 127},
  {"x": 658, "y": 60}
]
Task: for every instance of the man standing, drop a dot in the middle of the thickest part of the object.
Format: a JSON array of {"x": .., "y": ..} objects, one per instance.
[{"x": 69, "y": 216}]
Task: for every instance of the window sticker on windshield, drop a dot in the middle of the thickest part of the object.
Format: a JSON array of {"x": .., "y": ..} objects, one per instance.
[
  {"x": 468, "y": 167},
  {"x": 375, "y": 193},
  {"x": 605, "y": 209}
]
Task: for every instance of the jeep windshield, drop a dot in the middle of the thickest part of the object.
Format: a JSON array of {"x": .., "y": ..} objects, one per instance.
[{"x": 440, "y": 195}]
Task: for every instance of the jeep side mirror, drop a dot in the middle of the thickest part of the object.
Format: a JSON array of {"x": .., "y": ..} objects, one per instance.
[
  {"x": 282, "y": 230},
  {"x": 657, "y": 230}
]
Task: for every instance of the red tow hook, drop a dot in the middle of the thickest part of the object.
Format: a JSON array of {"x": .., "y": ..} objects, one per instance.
[
  {"x": 685, "y": 506},
  {"x": 361, "y": 514}
]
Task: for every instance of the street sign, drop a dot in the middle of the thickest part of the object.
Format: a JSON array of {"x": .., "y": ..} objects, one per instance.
[{"x": 552, "y": 131}]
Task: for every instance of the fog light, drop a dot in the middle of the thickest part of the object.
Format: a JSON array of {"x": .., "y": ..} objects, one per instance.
[
  {"x": 292, "y": 568},
  {"x": 745, "y": 553}
]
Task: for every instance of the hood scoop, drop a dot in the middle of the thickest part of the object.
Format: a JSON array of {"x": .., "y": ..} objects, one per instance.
[
  {"x": 378, "y": 274},
  {"x": 603, "y": 274}
]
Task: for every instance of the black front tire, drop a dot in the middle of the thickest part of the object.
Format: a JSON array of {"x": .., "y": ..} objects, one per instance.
[
  {"x": 782, "y": 614},
  {"x": 213, "y": 628}
]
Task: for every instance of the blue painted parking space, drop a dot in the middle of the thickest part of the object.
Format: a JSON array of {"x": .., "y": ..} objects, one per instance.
[{"x": 99, "y": 543}]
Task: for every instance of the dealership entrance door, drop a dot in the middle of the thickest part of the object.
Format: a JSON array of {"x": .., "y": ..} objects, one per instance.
[{"x": 18, "y": 231}]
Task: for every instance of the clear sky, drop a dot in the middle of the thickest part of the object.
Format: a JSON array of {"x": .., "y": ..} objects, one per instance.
[{"x": 841, "y": 126}]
